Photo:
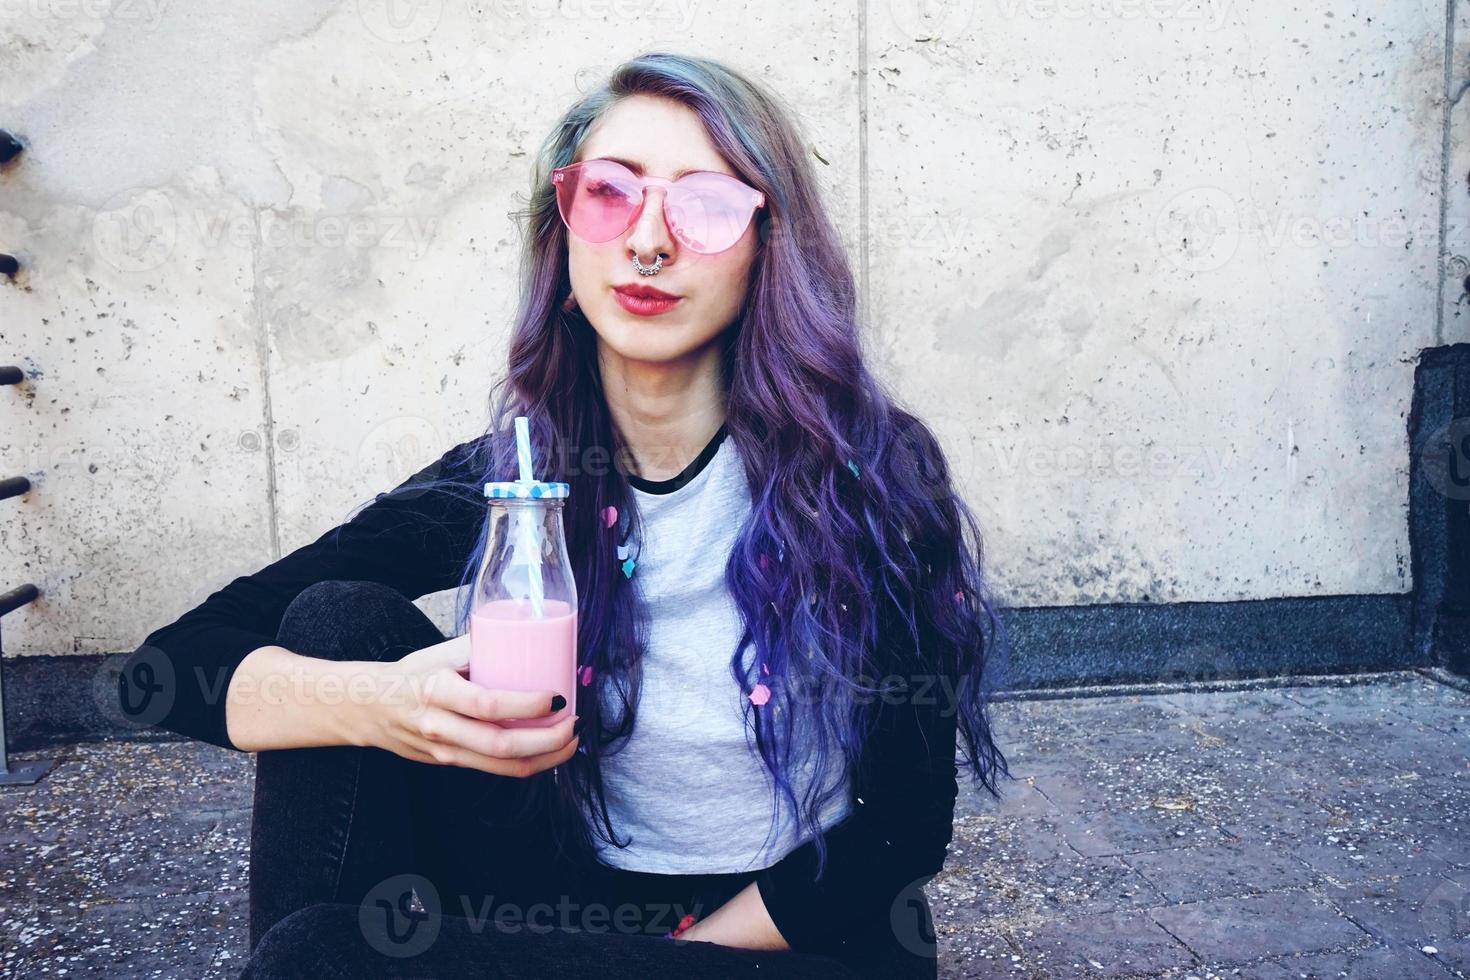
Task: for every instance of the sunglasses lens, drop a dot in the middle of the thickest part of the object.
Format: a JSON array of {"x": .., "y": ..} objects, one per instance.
[
  {"x": 598, "y": 199},
  {"x": 708, "y": 212}
]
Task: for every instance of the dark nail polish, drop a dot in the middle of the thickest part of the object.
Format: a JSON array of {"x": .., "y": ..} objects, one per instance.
[
  {"x": 557, "y": 703},
  {"x": 10, "y": 147}
]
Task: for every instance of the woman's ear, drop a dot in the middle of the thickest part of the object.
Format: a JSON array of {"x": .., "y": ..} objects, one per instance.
[{"x": 569, "y": 304}]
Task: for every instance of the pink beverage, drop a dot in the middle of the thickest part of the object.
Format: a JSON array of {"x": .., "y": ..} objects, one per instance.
[
  {"x": 512, "y": 650},
  {"x": 523, "y": 611}
]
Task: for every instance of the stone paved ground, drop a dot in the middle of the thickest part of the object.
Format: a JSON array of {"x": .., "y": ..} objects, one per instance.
[{"x": 1300, "y": 831}]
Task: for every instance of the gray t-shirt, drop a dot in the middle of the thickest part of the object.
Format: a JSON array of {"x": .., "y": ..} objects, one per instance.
[{"x": 689, "y": 786}]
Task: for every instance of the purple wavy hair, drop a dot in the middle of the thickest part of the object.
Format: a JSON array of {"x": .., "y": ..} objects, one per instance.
[{"x": 886, "y": 547}]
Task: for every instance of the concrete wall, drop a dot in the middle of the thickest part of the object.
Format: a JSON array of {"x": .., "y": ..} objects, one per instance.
[{"x": 1157, "y": 270}]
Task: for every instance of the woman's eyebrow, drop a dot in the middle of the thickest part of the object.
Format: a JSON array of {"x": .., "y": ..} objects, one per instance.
[{"x": 637, "y": 167}]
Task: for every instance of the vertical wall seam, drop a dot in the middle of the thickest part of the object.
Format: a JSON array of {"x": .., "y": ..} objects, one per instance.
[
  {"x": 1450, "y": 98},
  {"x": 865, "y": 291},
  {"x": 262, "y": 333}
]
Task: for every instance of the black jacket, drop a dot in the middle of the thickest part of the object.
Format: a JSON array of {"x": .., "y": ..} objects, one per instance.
[{"x": 868, "y": 909}]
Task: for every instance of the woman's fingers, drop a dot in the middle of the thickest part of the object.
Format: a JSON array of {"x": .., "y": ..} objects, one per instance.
[
  {"x": 429, "y": 711},
  {"x": 453, "y": 653},
  {"x": 489, "y": 739},
  {"x": 455, "y": 755},
  {"x": 463, "y": 696}
]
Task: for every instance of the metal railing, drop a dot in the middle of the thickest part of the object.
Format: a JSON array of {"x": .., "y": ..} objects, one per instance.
[{"x": 28, "y": 772}]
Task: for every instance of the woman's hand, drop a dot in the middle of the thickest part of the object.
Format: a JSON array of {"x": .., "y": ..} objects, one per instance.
[{"x": 427, "y": 710}]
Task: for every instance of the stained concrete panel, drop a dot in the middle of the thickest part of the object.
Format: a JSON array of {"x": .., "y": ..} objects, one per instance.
[
  {"x": 1157, "y": 273},
  {"x": 136, "y": 422},
  {"x": 1171, "y": 265}
]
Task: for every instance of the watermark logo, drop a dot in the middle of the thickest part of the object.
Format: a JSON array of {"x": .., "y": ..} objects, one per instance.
[
  {"x": 912, "y": 925},
  {"x": 390, "y": 923},
  {"x": 1210, "y": 15},
  {"x": 928, "y": 20},
  {"x": 396, "y": 448},
  {"x": 1199, "y": 229},
  {"x": 676, "y": 15},
  {"x": 1199, "y": 663},
  {"x": 136, "y": 232},
  {"x": 1445, "y": 459},
  {"x": 136, "y": 688},
  {"x": 1445, "y": 914},
  {"x": 400, "y": 21}
]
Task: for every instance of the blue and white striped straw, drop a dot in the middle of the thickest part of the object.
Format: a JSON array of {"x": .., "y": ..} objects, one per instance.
[
  {"x": 531, "y": 529},
  {"x": 523, "y": 448}
]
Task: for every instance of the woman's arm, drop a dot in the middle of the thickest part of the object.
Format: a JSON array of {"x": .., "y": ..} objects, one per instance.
[
  {"x": 186, "y": 676},
  {"x": 895, "y": 839},
  {"x": 278, "y": 699},
  {"x": 742, "y": 921}
]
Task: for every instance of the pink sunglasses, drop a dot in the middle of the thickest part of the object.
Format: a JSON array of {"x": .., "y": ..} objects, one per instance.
[{"x": 600, "y": 199}]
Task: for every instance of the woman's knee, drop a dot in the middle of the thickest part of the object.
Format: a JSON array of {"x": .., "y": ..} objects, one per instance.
[
  {"x": 313, "y": 942},
  {"x": 354, "y": 620}
]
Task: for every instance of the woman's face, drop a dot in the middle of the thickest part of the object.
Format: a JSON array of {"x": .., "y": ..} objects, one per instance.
[{"x": 664, "y": 137}]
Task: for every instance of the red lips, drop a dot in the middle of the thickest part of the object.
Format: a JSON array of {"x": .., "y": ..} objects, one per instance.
[{"x": 643, "y": 291}]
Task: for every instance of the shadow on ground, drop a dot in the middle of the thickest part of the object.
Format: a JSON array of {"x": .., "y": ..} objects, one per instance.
[{"x": 1304, "y": 831}]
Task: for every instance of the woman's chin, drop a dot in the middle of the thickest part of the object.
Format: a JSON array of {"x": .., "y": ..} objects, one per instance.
[{"x": 635, "y": 338}]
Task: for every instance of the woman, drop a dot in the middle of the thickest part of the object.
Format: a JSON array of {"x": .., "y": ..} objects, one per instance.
[{"x": 783, "y": 623}]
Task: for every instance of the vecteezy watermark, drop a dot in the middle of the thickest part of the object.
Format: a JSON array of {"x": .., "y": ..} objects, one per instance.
[
  {"x": 1097, "y": 462},
  {"x": 393, "y": 926},
  {"x": 937, "y": 236},
  {"x": 135, "y": 232},
  {"x": 670, "y": 14},
  {"x": 1208, "y": 14},
  {"x": 918, "y": 689},
  {"x": 141, "y": 687},
  {"x": 911, "y": 922},
  {"x": 1201, "y": 229},
  {"x": 138, "y": 455},
  {"x": 400, "y": 21},
  {"x": 135, "y": 689},
  {"x": 1199, "y": 663},
  {"x": 391, "y": 450},
  {"x": 1444, "y": 458},
  {"x": 145, "y": 12},
  {"x": 139, "y": 231},
  {"x": 1445, "y": 915},
  {"x": 928, "y": 20}
]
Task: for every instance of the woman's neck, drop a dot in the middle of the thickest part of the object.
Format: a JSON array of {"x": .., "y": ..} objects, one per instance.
[{"x": 664, "y": 411}]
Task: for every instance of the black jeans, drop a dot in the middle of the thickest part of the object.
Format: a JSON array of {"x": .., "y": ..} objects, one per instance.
[{"x": 344, "y": 838}]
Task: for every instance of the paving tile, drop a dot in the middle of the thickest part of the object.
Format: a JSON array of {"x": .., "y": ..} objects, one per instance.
[
  {"x": 1031, "y": 890},
  {"x": 1131, "y": 713},
  {"x": 1194, "y": 874},
  {"x": 976, "y": 955},
  {"x": 1112, "y": 944},
  {"x": 1376, "y": 963},
  {"x": 1238, "y": 930},
  {"x": 148, "y": 937},
  {"x": 1018, "y": 797},
  {"x": 1413, "y": 910},
  {"x": 1286, "y": 832},
  {"x": 1095, "y": 834}
]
